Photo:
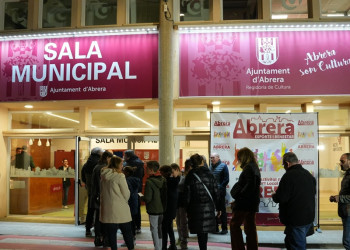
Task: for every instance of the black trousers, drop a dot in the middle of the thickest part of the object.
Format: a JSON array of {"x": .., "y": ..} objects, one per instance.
[
  {"x": 202, "y": 240},
  {"x": 111, "y": 230},
  {"x": 167, "y": 229}
]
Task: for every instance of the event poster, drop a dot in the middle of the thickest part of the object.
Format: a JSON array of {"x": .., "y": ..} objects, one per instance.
[{"x": 269, "y": 136}]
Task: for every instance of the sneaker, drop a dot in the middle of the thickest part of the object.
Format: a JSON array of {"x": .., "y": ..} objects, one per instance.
[
  {"x": 88, "y": 234},
  {"x": 65, "y": 207},
  {"x": 138, "y": 231}
]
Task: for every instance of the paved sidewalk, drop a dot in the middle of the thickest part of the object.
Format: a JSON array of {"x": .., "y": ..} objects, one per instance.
[{"x": 21, "y": 235}]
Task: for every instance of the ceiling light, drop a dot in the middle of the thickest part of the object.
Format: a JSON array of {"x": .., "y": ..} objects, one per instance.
[
  {"x": 279, "y": 16},
  {"x": 288, "y": 111},
  {"x": 335, "y": 15},
  {"x": 28, "y": 106},
  {"x": 30, "y": 141},
  {"x": 39, "y": 143},
  {"x": 120, "y": 104},
  {"x": 316, "y": 101},
  {"x": 215, "y": 102},
  {"x": 47, "y": 143}
]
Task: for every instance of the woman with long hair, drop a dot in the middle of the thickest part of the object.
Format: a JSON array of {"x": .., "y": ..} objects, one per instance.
[
  {"x": 246, "y": 193},
  {"x": 200, "y": 195},
  {"x": 114, "y": 209}
]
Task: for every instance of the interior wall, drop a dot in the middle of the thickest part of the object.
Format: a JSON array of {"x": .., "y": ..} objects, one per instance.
[{"x": 3, "y": 163}]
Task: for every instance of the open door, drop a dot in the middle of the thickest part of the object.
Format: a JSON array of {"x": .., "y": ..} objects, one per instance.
[{"x": 81, "y": 155}]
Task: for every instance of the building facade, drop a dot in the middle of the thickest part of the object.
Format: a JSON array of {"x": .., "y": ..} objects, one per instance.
[{"x": 145, "y": 75}]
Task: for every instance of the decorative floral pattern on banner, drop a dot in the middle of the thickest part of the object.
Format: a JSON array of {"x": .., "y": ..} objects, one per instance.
[
  {"x": 269, "y": 136},
  {"x": 265, "y": 63}
]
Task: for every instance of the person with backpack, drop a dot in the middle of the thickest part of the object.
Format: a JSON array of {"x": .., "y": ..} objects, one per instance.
[{"x": 155, "y": 199}]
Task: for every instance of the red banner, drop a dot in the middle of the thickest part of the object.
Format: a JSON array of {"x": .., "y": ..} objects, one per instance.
[
  {"x": 78, "y": 68},
  {"x": 265, "y": 63}
]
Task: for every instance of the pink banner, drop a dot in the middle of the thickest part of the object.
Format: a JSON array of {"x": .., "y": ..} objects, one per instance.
[
  {"x": 265, "y": 63},
  {"x": 78, "y": 68}
]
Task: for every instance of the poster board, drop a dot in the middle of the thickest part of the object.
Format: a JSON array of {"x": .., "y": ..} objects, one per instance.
[{"x": 269, "y": 136}]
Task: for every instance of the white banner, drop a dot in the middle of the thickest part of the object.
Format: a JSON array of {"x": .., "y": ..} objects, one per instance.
[{"x": 269, "y": 136}]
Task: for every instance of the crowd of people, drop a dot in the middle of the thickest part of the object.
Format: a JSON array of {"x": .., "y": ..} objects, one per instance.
[{"x": 195, "y": 197}]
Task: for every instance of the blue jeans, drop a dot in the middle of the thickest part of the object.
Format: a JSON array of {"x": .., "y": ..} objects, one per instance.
[
  {"x": 346, "y": 232},
  {"x": 296, "y": 236}
]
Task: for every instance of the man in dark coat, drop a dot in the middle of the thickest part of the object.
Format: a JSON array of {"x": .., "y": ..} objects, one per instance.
[
  {"x": 220, "y": 171},
  {"x": 296, "y": 194},
  {"x": 343, "y": 199},
  {"x": 131, "y": 160},
  {"x": 86, "y": 176}
]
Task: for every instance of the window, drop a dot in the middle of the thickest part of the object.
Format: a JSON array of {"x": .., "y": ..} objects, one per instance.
[
  {"x": 335, "y": 8},
  {"x": 56, "y": 13},
  {"x": 193, "y": 118},
  {"x": 239, "y": 10},
  {"x": 289, "y": 9},
  {"x": 194, "y": 10},
  {"x": 144, "y": 11},
  {"x": 16, "y": 14},
  {"x": 100, "y": 12},
  {"x": 124, "y": 119},
  {"x": 44, "y": 120}
]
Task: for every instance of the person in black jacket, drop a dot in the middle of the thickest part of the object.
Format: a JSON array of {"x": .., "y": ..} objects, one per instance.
[
  {"x": 200, "y": 203},
  {"x": 343, "y": 199},
  {"x": 171, "y": 174},
  {"x": 296, "y": 197},
  {"x": 86, "y": 176},
  {"x": 134, "y": 185},
  {"x": 246, "y": 193},
  {"x": 130, "y": 159}
]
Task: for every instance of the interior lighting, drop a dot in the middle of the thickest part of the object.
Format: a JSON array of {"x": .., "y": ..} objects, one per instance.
[
  {"x": 279, "y": 16},
  {"x": 28, "y": 106},
  {"x": 62, "y": 117},
  {"x": 316, "y": 101},
  {"x": 288, "y": 111},
  {"x": 215, "y": 102},
  {"x": 335, "y": 15},
  {"x": 39, "y": 142},
  {"x": 320, "y": 147},
  {"x": 120, "y": 104},
  {"x": 47, "y": 143},
  {"x": 138, "y": 118},
  {"x": 30, "y": 141}
]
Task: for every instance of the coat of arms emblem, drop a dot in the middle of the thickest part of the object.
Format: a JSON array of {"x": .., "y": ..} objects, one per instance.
[
  {"x": 267, "y": 50},
  {"x": 43, "y": 91}
]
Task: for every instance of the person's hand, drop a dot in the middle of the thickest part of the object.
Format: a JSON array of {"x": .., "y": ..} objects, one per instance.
[{"x": 334, "y": 198}]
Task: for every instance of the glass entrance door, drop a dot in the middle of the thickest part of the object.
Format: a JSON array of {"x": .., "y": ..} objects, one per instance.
[{"x": 82, "y": 153}]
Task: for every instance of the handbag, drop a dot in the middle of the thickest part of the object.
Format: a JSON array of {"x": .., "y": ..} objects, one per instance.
[{"x": 199, "y": 179}]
